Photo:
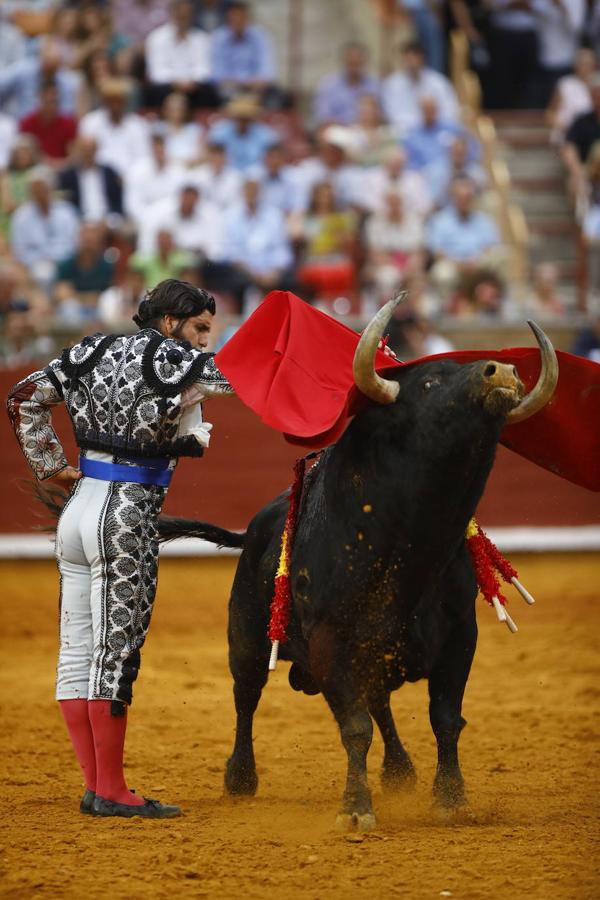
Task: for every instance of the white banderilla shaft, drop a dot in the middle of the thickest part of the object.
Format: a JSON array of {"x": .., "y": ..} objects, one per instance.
[
  {"x": 274, "y": 653},
  {"x": 523, "y": 592},
  {"x": 500, "y": 611}
]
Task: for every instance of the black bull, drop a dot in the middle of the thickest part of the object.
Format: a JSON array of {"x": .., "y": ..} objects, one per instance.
[{"x": 383, "y": 586}]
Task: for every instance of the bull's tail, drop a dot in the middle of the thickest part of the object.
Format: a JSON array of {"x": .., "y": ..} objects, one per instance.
[{"x": 171, "y": 527}]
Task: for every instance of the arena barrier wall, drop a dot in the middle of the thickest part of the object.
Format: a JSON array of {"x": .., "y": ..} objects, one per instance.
[{"x": 524, "y": 507}]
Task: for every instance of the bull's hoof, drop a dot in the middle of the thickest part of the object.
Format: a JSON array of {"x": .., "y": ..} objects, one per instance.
[
  {"x": 240, "y": 780},
  {"x": 397, "y": 778},
  {"x": 453, "y": 815},
  {"x": 449, "y": 793},
  {"x": 363, "y": 823}
]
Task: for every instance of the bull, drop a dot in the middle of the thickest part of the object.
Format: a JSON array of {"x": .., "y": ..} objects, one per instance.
[{"x": 383, "y": 587}]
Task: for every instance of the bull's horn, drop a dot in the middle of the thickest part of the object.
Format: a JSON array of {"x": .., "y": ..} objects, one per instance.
[
  {"x": 366, "y": 378},
  {"x": 542, "y": 392}
]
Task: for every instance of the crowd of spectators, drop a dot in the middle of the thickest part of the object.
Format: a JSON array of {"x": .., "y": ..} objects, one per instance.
[{"x": 146, "y": 139}]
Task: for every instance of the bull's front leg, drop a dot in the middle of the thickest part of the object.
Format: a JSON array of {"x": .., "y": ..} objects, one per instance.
[{"x": 447, "y": 684}]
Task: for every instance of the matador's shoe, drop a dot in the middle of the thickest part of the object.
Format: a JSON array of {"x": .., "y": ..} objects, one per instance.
[
  {"x": 150, "y": 809},
  {"x": 87, "y": 803}
]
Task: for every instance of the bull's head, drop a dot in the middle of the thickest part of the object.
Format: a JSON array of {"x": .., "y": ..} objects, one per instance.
[{"x": 497, "y": 384}]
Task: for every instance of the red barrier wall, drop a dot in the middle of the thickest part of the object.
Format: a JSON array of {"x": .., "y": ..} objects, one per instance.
[{"x": 248, "y": 464}]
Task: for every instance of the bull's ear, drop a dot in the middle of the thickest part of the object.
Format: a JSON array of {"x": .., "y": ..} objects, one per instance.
[
  {"x": 537, "y": 398},
  {"x": 365, "y": 377}
]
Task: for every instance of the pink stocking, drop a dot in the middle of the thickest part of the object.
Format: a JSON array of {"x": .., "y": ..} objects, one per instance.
[
  {"x": 109, "y": 740},
  {"x": 75, "y": 714}
]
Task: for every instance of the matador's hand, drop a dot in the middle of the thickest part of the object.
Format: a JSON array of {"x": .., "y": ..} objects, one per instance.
[{"x": 66, "y": 478}]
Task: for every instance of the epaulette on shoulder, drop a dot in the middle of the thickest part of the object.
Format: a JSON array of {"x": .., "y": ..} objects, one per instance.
[
  {"x": 169, "y": 366},
  {"x": 76, "y": 361}
]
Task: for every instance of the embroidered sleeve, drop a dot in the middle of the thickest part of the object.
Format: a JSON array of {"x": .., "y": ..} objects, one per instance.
[
  {"x": 29, "y": 404},
  {"x": 210, "y": 381}
]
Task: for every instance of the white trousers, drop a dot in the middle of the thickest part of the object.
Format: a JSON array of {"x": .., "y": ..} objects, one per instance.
[{"x": 107, "y": 555}]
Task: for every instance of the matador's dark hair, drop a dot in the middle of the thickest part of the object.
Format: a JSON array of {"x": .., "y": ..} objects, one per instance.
[{"x": 171, "y": 297}]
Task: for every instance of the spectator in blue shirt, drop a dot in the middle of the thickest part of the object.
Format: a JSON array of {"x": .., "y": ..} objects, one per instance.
[
  {"x": 338, "y": 95},
  {"x": 245, "y": 140},
  {"x": 256, "y": 249},
  {"x": 430, "y": 142},
  {"x": 43, "y": 231},
  {"x": 465, "y": 245},
  {"x": 280, "y": 184},
  {"x": 243, "y": 57},
  {"x": 20, "y": 82}
]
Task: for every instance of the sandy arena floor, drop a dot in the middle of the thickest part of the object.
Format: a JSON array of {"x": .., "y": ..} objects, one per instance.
[{"x": 530, "y": 756}]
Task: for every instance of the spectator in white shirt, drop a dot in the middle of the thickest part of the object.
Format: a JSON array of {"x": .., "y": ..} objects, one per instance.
[
  {"x": 332, "y": 164},
  {"x": 402, "y": 91},
  {"x": 395, "y": 239},
  {"x": 151, "y": 179},
  {"x": 8, "y": 131},
  {"x": 184, "y": 139},
  {"x": 194, "y": 224},
  {"x": 559, "y": 28},
  {"x": 572, "y": 97},
  {"x": 122, "y": 137},
  {"x": 411, "y": 186},
  {"x": 178, "y": 58},
  {"x": 43, "y": 231},
  {"x": 219, "y": 182}
]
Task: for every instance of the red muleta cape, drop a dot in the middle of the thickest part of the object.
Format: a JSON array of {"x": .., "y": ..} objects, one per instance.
[{"x": 292, "y": 365}]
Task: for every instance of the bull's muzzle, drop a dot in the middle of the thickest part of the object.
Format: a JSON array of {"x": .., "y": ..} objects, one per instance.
[{"x": 500, "y": 387}]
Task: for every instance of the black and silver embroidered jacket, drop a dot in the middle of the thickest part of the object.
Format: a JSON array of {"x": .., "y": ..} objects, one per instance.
[{"x": 125, "y": 394}]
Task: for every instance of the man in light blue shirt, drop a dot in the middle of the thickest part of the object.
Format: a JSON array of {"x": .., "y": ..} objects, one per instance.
[
  {"x": 20, "y": 83},
  {"x": 338, "y": 94},
  {"x": 430, "y": 142},
  {"x": 245, "y": 140},
  {"x": 43, "y": 231},
  {"x": 464, "y": 242},
  {"x": 242, "y": 54},
  {"x": 256, "y": 251},
  {"x": 280, "y": 183}
]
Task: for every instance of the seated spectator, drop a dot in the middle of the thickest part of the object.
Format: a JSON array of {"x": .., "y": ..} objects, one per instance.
[
  {"x": 329, "y": 233},
  {"x": 184, "y": 139},
  {"x": 210, "y": 14},
  {"x": 93, "y": 189},
  {"x": 20, "y": 83},
  {"x": 395, "y": 241},
  {"x": 279, "y": 186},
  {"x": 338, "y": 95},
  {"x": 53, "y": 131},
  {"x": 43, "y": 230},
  {"x": 219, "y": 182},
  {"x": 243, "y": 57},
  {"x": 587, "y": 342},
  {"x": 81, "y": 277},
  {"x": 18, "y": 292},
  {"x": 394, "y": 176},
  {"x": 8, "y": 131},
  {"x": 13, "y": 43},
  {"x": 332, "y": 164},
  {"x": 465, "y": 246},
  {"x": 546, "y": 301},
  {"x": 97, "y": 69},
  {"x": 194, "y": 223},
  {"x": 256, "y": 252},
  {"x": 459, "y": 163},
  {"x": 429, "y": 142},
  {"x": 121, "y": 136},
  {"x": 371, "y": 138},
  {"x": 65, "y": 23},
  {"x": 413, "y": 336},
  {"x": 245, "y": 140},
  {"x": 571, "y": 97},
  {"x": 403, "y": 90},
  {"x": 117, "y": 304},
  {"x": 165, "y": 261},
  {"x": 95, "y": 32},
  {"x": 178, "y": 59},
  {"x": 13, "y": 181},
  {"x": 151, "y": 179},
  {"x": 136, "y": 19}
]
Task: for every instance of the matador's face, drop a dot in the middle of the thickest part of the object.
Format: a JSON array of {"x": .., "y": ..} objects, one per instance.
[{"x": 194, "y": 329}]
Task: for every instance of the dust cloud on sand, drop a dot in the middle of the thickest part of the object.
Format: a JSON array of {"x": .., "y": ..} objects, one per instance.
[{"x": 530, "y": 756}]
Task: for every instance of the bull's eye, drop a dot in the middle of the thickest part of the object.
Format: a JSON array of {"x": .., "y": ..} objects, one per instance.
[{"x": 427, "y": 385}]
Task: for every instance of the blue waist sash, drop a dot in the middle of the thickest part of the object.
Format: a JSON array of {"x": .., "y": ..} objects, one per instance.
[{"x": 145, "y": 471}]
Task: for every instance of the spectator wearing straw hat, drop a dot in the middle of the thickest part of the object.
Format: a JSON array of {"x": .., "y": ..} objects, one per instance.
[{"x": 245, "y": 139}]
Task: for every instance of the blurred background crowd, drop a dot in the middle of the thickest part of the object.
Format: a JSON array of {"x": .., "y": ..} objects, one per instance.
[{"x": 147, "y": 139}]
